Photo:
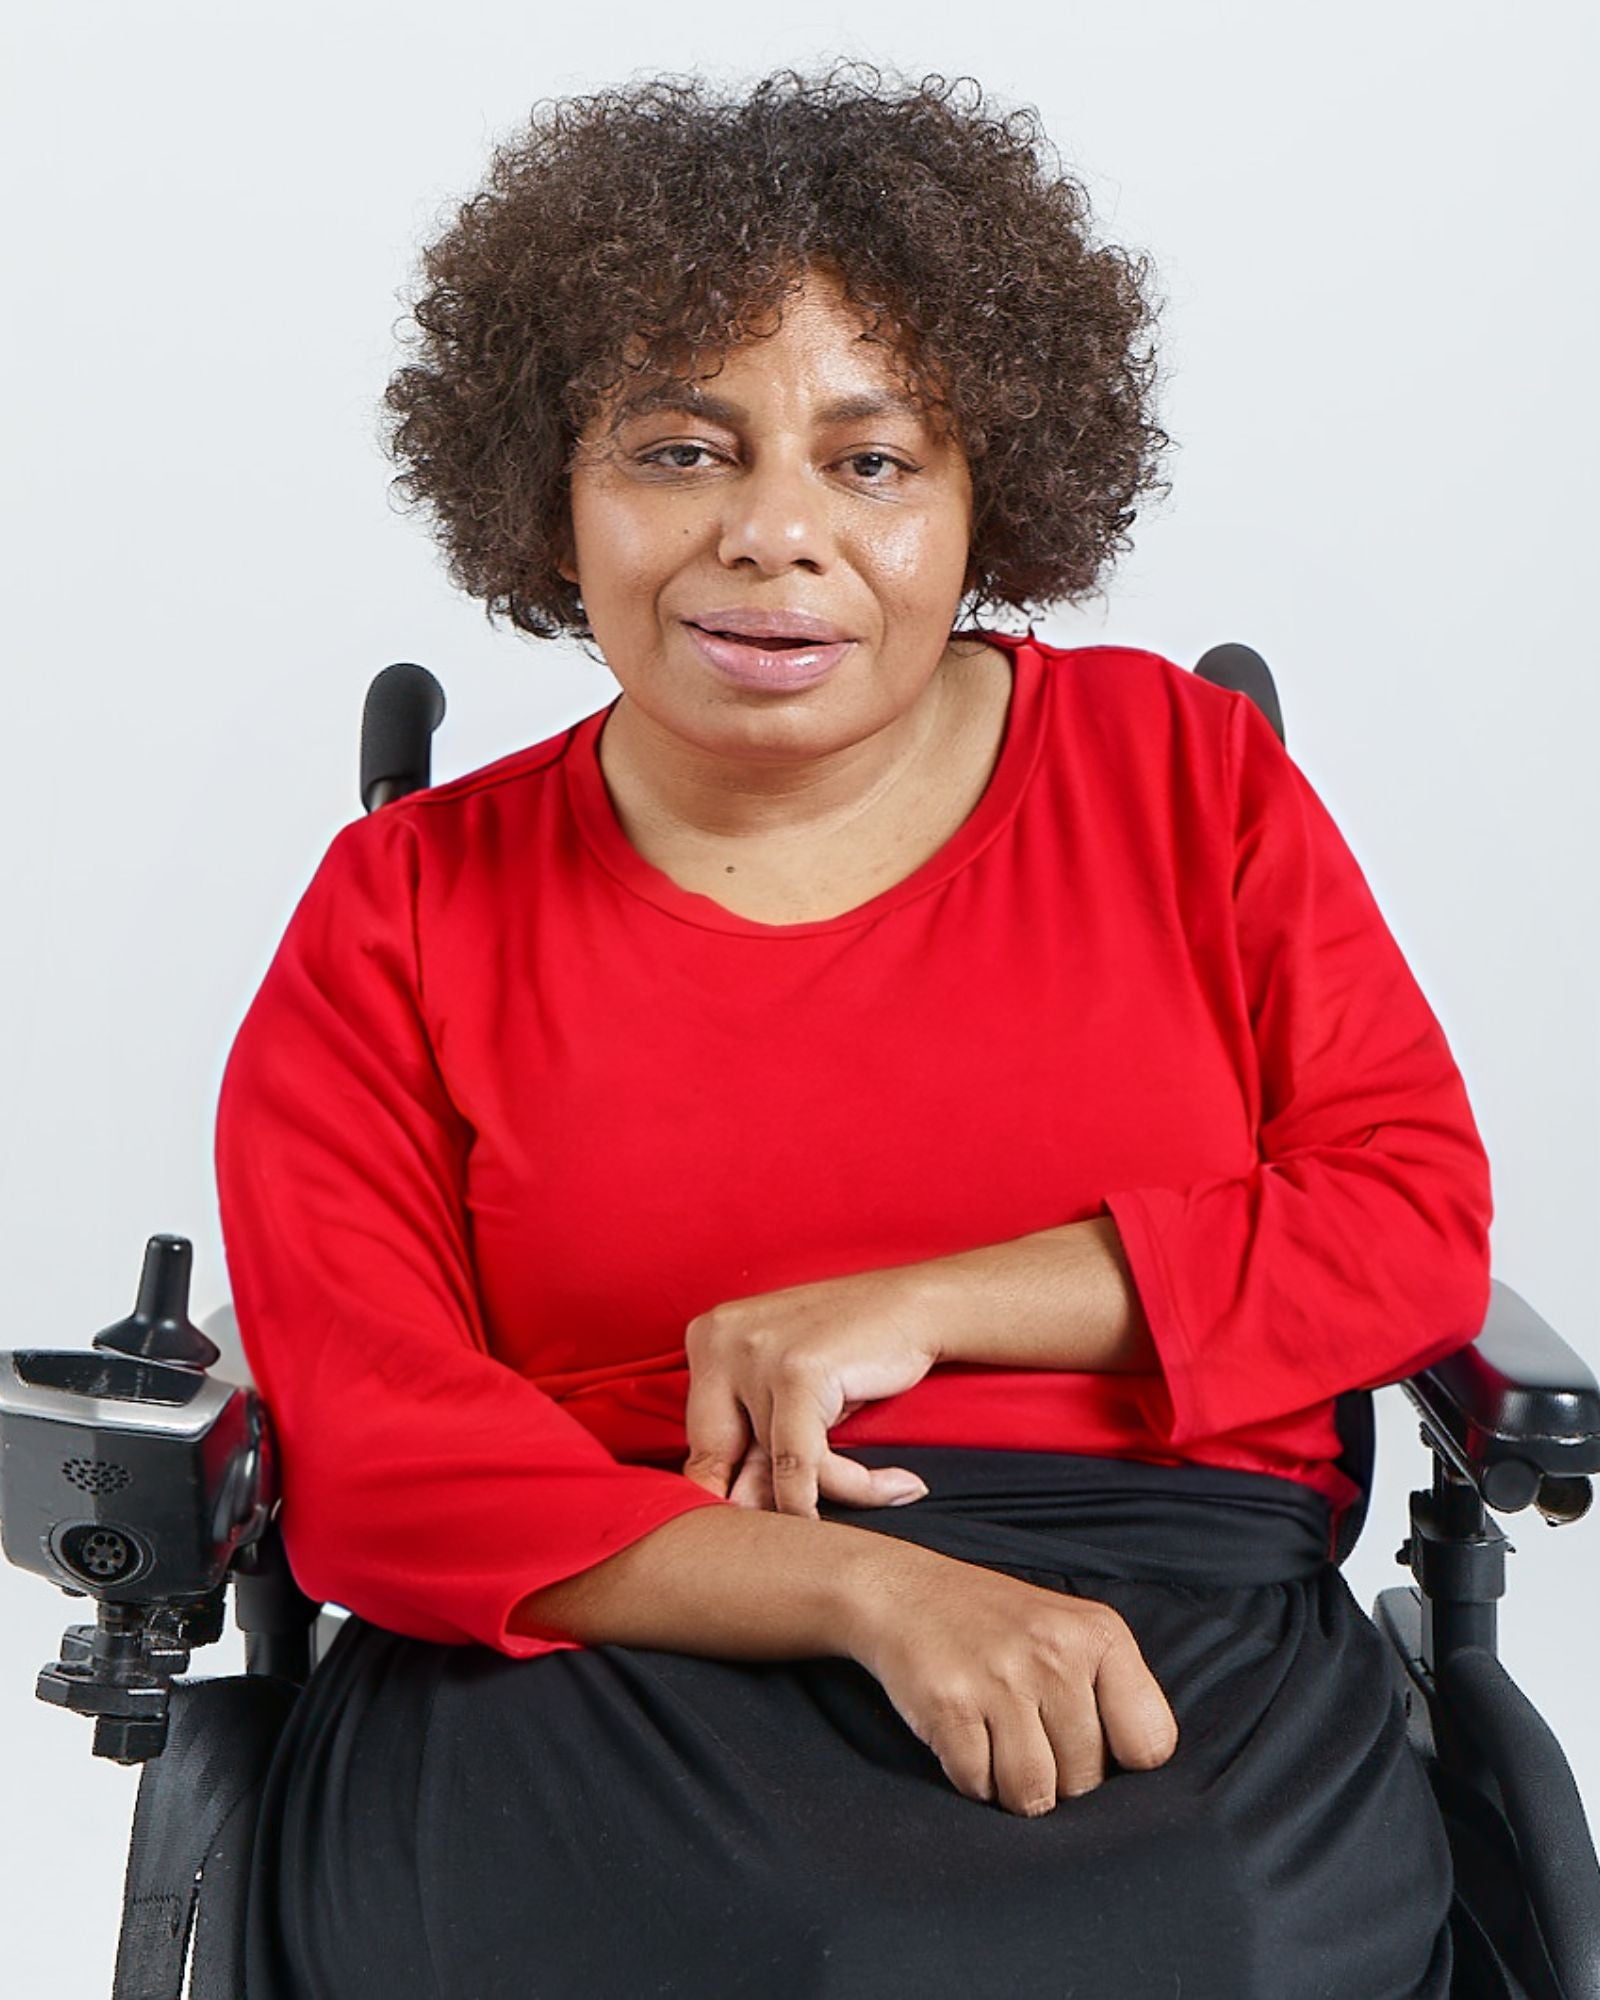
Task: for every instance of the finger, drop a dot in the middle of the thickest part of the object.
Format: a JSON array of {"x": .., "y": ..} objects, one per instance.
[
  {"x": 1070, "y": 1719},
  {"x": 854, "y": 1485},
  {"x": 1139, "y": 1724},
  {"x": 1027, "y": 1775},
  {"x": 718, "y": 1431},
  {"x": 795, "y": 1432},
  {"x": 753, "y": 1487},
  {"x": 839, "y": 1479},
  {"x": 962, "y": 1744}
]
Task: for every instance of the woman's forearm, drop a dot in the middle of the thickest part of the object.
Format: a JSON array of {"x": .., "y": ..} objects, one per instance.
[
  {"x": 1060, "y": 1298},
  {"x": 729, "y": 1583}
]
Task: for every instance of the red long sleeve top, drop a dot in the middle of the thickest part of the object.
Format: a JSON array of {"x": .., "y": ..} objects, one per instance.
[{"x": 511, "y": 1108}]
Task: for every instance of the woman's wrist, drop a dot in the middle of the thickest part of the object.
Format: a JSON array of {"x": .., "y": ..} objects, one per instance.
[{"x": 872, "y": 1580}]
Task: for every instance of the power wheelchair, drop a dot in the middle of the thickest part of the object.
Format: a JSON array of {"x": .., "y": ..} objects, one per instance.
[{"x": 131, "y": 1475}]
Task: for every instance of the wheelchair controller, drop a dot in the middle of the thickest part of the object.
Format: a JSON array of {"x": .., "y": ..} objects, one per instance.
[{"x": 135, "y": 1426}]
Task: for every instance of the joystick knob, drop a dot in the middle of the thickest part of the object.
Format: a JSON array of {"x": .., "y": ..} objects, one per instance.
[{"x": 159, "y": 1327}]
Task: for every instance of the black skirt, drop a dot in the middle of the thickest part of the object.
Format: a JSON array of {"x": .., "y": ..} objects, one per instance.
[{"x": 620, "y": 1823}]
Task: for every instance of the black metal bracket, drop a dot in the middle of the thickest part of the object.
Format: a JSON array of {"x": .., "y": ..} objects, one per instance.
[{"x": 1458, "y": 1556}]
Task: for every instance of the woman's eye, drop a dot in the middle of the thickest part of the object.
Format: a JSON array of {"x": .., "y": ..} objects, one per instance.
[
  {"x": 882, "y": 458},
  {"x": 660, "y": 452}
]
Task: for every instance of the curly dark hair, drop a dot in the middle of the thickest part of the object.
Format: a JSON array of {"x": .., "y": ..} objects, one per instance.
[{"x": 656, "y": 226}]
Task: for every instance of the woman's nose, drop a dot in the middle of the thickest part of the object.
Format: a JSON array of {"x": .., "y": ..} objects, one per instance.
[{"x": 777, "y": 513}]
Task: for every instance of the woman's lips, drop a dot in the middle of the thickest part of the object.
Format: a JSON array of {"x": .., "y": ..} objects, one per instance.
[{"x": 764, "y": 664}]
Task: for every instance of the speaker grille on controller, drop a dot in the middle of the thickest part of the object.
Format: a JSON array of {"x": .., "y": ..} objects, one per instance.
[{"x": 93, "y": 1475}]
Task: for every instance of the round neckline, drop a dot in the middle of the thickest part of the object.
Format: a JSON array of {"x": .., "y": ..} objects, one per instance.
[{"x": 602, "y": 831}]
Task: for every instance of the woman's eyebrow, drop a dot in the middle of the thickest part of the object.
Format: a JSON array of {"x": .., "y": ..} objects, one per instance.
[{"x": 692, "y": 401}]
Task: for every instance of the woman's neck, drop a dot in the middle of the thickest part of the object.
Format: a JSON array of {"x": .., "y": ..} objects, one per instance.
[
  {"x": 827, "y": 840},
  {"x": 667, "y": 791}
]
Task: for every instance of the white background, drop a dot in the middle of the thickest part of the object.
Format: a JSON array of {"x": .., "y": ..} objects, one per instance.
[{"x": 1374, "y": 230}]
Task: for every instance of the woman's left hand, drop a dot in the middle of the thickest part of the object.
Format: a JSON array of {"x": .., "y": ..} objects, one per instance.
[{"x": 769, "y": 1376}]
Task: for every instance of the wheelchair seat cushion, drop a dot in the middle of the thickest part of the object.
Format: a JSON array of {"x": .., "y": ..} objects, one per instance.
[{"x": 447, "y": 1823}]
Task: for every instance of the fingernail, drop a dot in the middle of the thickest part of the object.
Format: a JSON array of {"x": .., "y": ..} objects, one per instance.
[{"x": 903, "y": 1495}]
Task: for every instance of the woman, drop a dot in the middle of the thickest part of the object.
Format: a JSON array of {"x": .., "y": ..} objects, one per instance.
[{"x": 877, "y": 1056}]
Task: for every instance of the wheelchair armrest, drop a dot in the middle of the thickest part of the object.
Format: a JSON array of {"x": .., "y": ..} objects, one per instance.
[{"x": 1517, "y": 1412}]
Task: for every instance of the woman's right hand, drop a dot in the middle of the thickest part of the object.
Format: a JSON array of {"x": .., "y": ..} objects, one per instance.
[{"x": 1018, "y": 1690}]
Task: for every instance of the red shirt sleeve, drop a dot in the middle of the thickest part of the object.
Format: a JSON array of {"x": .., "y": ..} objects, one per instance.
[
  {"x": 427, "y": 1486},
  {"x": 1357, "y": 1251}
]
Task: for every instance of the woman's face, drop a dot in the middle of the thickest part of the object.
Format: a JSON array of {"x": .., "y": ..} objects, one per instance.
[{"x": 765, "y": 493}]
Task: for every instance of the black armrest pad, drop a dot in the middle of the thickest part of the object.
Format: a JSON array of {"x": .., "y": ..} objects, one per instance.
[{"x": 1517, "y": 1396}]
